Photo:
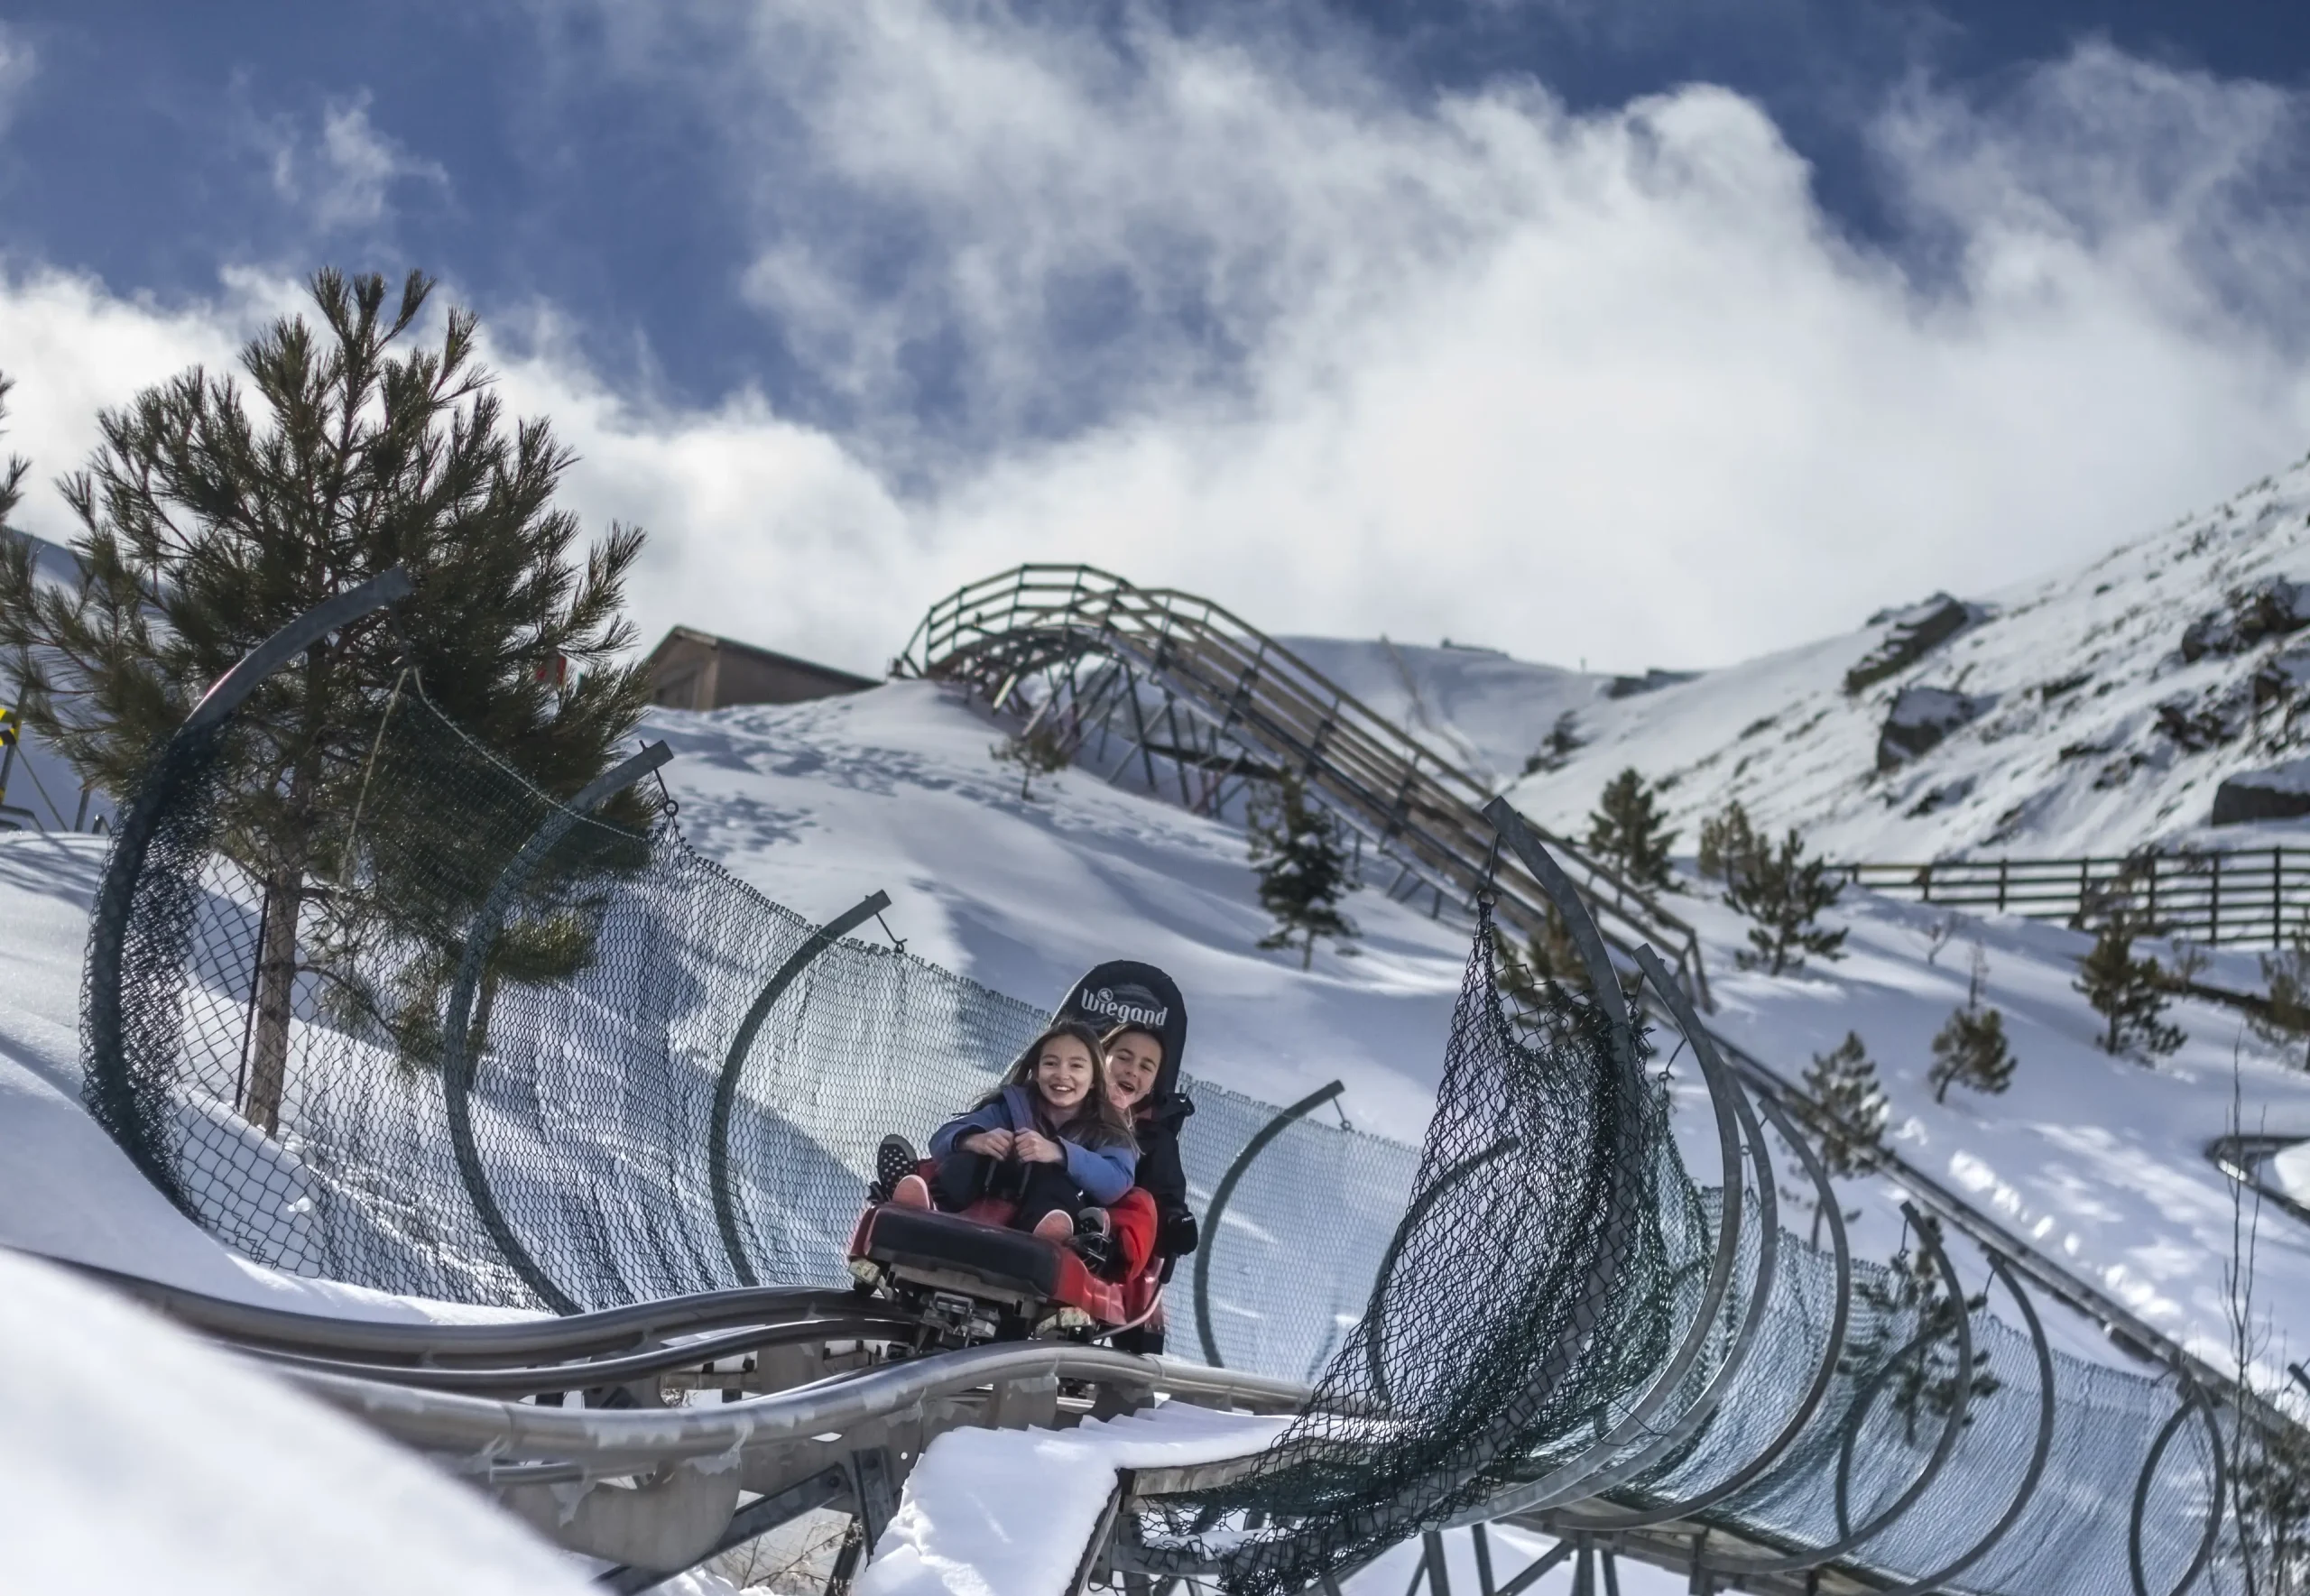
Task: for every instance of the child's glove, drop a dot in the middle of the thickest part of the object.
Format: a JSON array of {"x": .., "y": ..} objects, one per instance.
[{"x": 1177, "y": 1234}]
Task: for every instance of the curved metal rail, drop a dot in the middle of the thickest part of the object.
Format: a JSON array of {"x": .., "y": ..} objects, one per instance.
[
  {"x": 611, "y": 1440},
  {"x": 507, "y": 1343},
  {"x": 2194, "y": 1401}
]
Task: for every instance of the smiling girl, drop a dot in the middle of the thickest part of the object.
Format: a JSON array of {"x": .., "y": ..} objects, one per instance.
[{"x": 1050, "y": 1137}]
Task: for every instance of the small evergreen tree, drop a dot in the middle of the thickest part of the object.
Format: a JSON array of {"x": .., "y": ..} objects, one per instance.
[
  {"x": 2130, "y": 993},
  {"x": 212, "y": 516},
  {"x": 1729, "y": 843},
  {"x": 1971, "y": 1050},
  {"x": 1913, "y": 1302},
  {"x": 1037, "y": 749},
  {"x": 1784, "y": 892},
  {"x": 1628, "y": 829},
  {"x": 1546, "y": 959},
  {"x": 2286, "y": 1023},
  {"x": 1298, "y": 848},
  {"x": 1847, "y": 1110}
]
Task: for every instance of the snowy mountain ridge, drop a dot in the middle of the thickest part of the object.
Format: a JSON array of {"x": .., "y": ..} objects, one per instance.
[{"x": 2097, "y": 711}]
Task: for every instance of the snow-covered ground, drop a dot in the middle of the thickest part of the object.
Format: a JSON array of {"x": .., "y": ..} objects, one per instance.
[{"x": 135, "y": 1459}]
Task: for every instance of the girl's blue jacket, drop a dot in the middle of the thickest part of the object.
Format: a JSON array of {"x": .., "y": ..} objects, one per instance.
[{"x": 1104, "y": 1173}]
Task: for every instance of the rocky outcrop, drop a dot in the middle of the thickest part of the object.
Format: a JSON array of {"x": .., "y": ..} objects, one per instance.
[
  {"x": 1919, "y": 719},
  {"x": 2271, "y": 607},
  {"x": 2281, "y": 792},
  {"x": 1910, "y": 635}
]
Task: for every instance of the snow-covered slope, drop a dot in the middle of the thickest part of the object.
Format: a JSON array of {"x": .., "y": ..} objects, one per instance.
[
  {"x": 135, "y": 1459},
  {"x": 819, "y": 804},
  {"x": 2095, "y": 711}
]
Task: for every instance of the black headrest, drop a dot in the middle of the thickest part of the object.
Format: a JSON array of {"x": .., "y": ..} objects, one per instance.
[{"x": 1123, "y": 991}]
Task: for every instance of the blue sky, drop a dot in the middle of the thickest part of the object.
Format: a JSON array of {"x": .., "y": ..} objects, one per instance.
[{"x": 1623, "y": 331}]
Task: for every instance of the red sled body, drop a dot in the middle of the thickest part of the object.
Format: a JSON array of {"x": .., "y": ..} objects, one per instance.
[{"x": 974, "y": 1278}]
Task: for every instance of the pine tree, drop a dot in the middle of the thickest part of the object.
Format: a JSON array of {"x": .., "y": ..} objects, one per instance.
[
  {"x": 1548, "y": 958},
  {"x": 2128, "y": 993},
  {"x": 1299, "y": 847},
  {"x": 1913, "y": 1302},
  {"x": 1847, "y": 1110},
  {"x": 1628, "y": 829},
  {"x": 1848, "y": 1107},
  {"x": 1784, "y": 892},
  {"x": 1037, "y": 749},
  {"x": 210, "y": 516},
  {"x": 1729, "y": 843},
  {"x": 1971, "y": 1050},
  {"x": 2286, "y": 974}
]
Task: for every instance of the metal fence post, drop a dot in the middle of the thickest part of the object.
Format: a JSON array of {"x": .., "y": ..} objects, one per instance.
[{"x": 2214, "y": 907}]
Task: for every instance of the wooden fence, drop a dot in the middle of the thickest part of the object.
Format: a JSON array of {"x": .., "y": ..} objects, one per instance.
[{"x": 2256, "y": 896}]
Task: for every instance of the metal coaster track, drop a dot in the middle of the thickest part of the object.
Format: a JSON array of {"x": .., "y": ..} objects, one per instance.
[{"x": 1202, "y": 703}]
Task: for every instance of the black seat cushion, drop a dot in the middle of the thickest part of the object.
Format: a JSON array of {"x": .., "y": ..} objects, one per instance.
[{"x": 1010, "y": 1258}]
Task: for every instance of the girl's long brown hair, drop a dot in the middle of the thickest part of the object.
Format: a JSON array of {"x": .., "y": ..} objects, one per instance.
[{"x": 1108, "y": 1123}]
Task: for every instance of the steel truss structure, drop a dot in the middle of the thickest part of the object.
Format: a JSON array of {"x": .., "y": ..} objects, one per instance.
[{"x": 1182, "y": 699}]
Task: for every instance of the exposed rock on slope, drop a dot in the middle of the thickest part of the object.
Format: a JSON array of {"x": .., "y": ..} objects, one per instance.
[
  {"x": 1910, "y": 635},
  {"x": 2279, "y": 793},
  {"x": 1919, "y": 719}
]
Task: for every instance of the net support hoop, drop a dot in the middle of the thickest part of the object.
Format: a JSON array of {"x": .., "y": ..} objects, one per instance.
[
  {"x": 1219, "y": 1199},
  {"x": 725, "y": 1084},
  {"x": 133, "y": 841},
  {"x": 459, "y": 1062}
]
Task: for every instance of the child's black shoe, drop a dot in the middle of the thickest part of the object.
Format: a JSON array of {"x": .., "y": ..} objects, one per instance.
[
  {"x": 894, "y": 1160},
  {"x": 1095, "y": 1240}
]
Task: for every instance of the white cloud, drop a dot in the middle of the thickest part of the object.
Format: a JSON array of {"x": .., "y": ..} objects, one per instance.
[
  {"x": 19, "y": 64},
  {"x": 343, "y": 179},
  {"x": 1607, "y": 386}
]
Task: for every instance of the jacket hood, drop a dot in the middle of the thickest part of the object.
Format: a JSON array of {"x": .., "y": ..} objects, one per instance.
[{"x": 1123, "y": 991}]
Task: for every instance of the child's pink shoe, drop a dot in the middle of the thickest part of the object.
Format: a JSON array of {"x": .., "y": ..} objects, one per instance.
[
  {"x": 1058, "y": 1225},
  {"x": 912, "y": 1192}
]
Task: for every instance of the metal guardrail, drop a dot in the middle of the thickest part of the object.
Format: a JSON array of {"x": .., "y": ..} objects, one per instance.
[
  {"x": 1202, "y": 703},
  {"x": 2252, "y": 896}
]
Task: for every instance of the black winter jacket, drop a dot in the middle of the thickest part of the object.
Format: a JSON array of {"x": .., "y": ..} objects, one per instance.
[{"x": 1160, "y": 1171}]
